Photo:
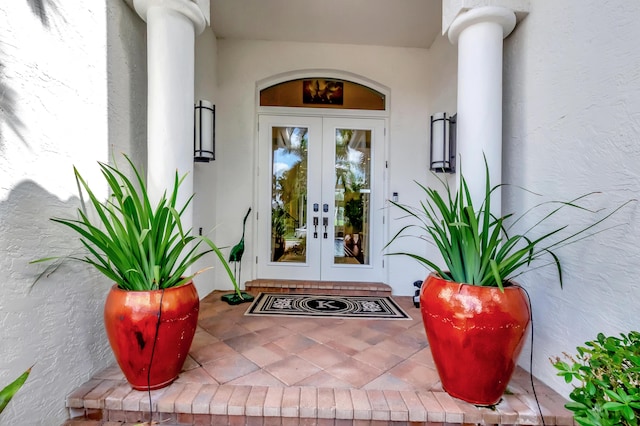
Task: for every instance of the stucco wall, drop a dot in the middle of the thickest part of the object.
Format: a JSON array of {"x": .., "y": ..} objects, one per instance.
[
  {"x": 205, "y": 174},
  {"x": 572, "y": 125},
  {"x": 243, "y": 63},
  {"x": 73, "y": 91},
  {"x": 443, "y": 75}
]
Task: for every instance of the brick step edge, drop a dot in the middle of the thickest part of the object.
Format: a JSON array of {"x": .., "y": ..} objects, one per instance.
[{"x": 318, "y": 287}]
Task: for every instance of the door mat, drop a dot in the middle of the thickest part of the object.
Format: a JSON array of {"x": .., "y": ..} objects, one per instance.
[{"x": 313, "y": 305}]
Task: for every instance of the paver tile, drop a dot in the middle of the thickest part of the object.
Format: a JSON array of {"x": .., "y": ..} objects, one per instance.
[
  {"x": 354, "y": 372},
  {"x": 220, "y": 401},
  {"x": 202, "y": 401},
  {"x": 229, "y": 368},
  {"x": 290, "y": 402},
  {"x": 273, "y": 402},
  {"x": 308, "y": 402},
  {"x": 397, "y": 408},
  {"x": 292, "y": 370},
  {"x": 361, "y": 404},
  {"x": 184, "y": 401},
  {"x": 255, "y": 401},
  {"x": 326, "y": 403},
  {"x": 238, "y": 400}
]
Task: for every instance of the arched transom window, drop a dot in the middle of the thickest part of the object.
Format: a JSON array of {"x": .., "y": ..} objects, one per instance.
[{"x": 321, "y": 92}]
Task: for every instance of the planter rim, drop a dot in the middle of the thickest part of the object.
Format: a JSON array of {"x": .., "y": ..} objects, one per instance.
[
  {"x": 511, "y": 283},
  {"x": 115, "y": 287}
]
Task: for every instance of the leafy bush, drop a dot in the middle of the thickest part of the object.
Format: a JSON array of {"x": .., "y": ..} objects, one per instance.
[{"x": 608, "y": 370}]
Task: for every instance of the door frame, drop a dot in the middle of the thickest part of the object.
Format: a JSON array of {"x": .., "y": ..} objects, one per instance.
[
  {"x": 324, "y": 113},
  {"x": 294, "y": 270},
  {"x": 320, "y": 253}
]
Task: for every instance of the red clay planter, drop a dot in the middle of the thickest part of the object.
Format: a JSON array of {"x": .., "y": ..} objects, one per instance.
[
  {"x": 131, "y": 319},
  {"x": 476, "y": 335}
]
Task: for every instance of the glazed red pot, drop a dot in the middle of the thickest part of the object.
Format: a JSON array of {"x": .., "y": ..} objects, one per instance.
[
  {"x": 476, "y": 335},
  {"x": 131, "y": 322}
]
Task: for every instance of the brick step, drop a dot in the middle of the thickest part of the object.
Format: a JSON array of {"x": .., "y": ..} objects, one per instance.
[
  {"x": 262, "y": 406},
  {"x": 318, "y": 287},
  {"x": 139, "y": 419}
]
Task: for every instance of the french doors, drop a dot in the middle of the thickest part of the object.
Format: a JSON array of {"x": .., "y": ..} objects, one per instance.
[{"x": 320, "y": 196}]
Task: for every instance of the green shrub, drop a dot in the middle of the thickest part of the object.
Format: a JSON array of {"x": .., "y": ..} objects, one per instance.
[{"x": 608, "y": 370}]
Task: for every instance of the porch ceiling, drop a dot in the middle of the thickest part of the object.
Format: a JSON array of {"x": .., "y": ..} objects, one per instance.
[{"x": 397, "y": 23}]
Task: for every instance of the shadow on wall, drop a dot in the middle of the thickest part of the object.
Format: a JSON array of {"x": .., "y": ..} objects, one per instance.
[
  {"x": 56, "y": 324},
  {"x": 8, "y": 107},
  {"x": 42, "y": 9},
  {"x": 127, "y": 97}
]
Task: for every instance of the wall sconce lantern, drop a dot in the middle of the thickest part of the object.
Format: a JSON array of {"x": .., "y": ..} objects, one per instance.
[
  {"x": 443, "y": 143},
  {"x": 204, "y": 132}
]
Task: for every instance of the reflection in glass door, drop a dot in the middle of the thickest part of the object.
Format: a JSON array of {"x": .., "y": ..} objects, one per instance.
[
  {"x": 321, "y": 200},
  {"x": 289, "y": 154},
  {"x": 352, "y": 184},
  {"x": 289, "y": 194},
  {"x": 352, "y": 165}
]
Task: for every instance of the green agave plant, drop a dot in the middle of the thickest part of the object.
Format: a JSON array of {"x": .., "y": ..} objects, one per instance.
[
  {"x": 10, "y": 390},
  {"x": 477, "y": 247},
  {"x": 137, "y": 246}
]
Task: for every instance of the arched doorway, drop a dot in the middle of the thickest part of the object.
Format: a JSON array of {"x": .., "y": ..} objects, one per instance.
[{"x": 321, "y": 180}]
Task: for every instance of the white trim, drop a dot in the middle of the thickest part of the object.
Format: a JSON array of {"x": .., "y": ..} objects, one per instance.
[
  {"x": 502, "y": 16},
  {"x": 187, "y": 8},
  {"x": 323, "y": 112},
  {"x": 452, "y": 9}
]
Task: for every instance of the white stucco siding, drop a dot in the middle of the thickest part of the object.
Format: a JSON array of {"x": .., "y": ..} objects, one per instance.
[
  {"x": 443, "y": 76},
  {"x": 127, "y": 83},
  {"x": 205, "y": 174},
  {"x": 572, "y": 125},
  {"x": 69, "y": 96},
  {"x": 241, "y": 64},
  {"x": 50, "y": 64}
]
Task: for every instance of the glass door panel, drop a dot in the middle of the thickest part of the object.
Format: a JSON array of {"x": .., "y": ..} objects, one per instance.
[
  {"x": 289, "y": 194},
  {"x": 352, "y": 164},
  {"x": 353, "y": 176},
  {"x": 288, "y": 180}
]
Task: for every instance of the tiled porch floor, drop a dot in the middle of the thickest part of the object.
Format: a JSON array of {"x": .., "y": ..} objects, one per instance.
[{"x": 317, "y": 371}]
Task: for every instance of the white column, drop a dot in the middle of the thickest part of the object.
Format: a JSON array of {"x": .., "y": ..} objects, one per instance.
[
  {"x": 479, "y": 34},
  {"x": 171, "y": 29}
]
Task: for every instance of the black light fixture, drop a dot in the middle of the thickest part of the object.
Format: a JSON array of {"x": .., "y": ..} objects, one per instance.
[
  {"x": 204, "y": 132},
  {"x": 443, "y": 143}
]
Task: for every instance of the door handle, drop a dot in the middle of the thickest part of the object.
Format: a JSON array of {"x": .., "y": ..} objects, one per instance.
[
  {"x": 315, "y": 227},
  {"x": 325, "y": 223}
]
